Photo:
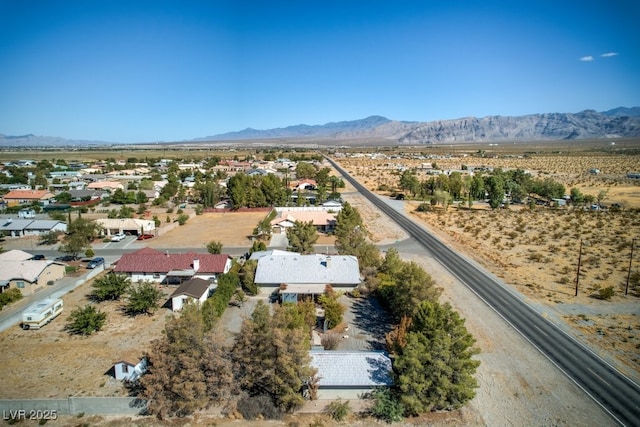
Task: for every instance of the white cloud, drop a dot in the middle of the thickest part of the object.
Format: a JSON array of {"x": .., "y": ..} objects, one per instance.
[
  {"x": 587, "y": 58},
  {"x": 609, "y": 54}
]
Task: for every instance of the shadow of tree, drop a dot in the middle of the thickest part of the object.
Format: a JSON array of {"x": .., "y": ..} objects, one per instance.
[{"x": 370, "y": 317}]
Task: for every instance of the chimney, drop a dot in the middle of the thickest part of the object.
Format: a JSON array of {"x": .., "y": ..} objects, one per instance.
[{"x": 196, "y": 264}]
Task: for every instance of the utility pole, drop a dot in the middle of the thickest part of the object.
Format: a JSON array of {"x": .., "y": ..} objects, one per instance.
[
  {"x": 626, "y": 289},
  {"x": 578, "y": 275}
]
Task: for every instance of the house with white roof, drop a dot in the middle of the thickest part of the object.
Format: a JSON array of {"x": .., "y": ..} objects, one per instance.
[
  {"x": 350, "y": 374},
  {"x": 298, "y": 276},
  {"x": 124, "y": 369}
]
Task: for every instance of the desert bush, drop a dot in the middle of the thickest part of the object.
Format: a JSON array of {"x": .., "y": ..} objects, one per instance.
[
  {"x": 10, "y": 296},
  {"x": 338, "y": 410},
  {"x": 606, "y": 293},
  {"x": 253, "y": 407},
  {"x": 330, "y": 341}
]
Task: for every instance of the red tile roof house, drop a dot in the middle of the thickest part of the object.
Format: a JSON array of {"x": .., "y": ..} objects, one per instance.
[{"x": 148, "y": 264}]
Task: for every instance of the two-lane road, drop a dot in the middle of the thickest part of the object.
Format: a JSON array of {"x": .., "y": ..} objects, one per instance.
[{"x": 617, "y": 394}]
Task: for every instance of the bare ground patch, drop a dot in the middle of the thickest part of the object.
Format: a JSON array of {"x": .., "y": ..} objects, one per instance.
[{"x": 50, "y": 363}]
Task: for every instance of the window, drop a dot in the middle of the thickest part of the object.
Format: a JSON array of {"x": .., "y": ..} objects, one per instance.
[
  {"x": 125, "y": 368},
  {"x": 20, "y": 284},
  {"x": 156, "y": 275}
]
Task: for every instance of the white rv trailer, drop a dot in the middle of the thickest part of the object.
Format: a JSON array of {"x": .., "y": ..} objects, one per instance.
[{"x": 38, "y": 315}]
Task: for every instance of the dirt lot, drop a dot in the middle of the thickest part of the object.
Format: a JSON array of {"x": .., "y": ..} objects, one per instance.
[{"x": 51, "y": 363}]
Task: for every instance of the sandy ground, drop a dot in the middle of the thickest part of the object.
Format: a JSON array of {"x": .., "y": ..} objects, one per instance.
[{"x": 50, "y": 363}]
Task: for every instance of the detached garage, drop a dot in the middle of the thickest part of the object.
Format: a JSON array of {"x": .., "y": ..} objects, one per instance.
[{"x": 349, "y": 374}]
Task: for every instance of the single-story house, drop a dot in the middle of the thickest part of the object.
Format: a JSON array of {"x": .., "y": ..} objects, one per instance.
[
  {"x": 305, "y": 184},
  {"x": 299, "y": 276},
  {"x": 126, "y": 225},
  {"x": 350, "y": 374},
  {"x": 25, "y": 197},
  {"x": 110, "y": 186},
  {"x": 86, "y": 195},
  {"x": 25, "y": 274},
  {"x": 125, "y": 370},
  {"x": 148, "y": 264},
  {"x": 323, "y": 219},
  {"x": 194, "y": 290},
  {"x": 31, "y": 227},
  {"x": 40, "y": 227}
]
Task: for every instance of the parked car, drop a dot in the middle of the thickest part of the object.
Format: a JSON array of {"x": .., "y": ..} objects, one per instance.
[
  {"x": 145, "y": 236},
  {"x": 66, "y": 258},
  {"x": 38, "y": 257},
  {"x": 95, "y": 262},
  {"x": 118, "y": 237}
]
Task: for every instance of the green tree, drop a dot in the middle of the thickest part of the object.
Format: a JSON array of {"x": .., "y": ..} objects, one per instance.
[
  {"x": 214, "y": 307},
  {"x": 409, "y": 182},
  {"x": 50, "y": 238},
  {"x": 305, "y": 170},
  {"x": 85, "y": 320},
  {"x": 577, "y": 198},
  {"x": 247, "y": 277},
  {"x": 110, "y": 287},
  {"x": 258, "y": 246},
  {"x": 143, "y": 299},
  {"x": 214, "y": 247},
  {"x": 141, "y": 197},
  {"x": 435, "y": 369},
  {"x": 188, "y": 368},
  {"x": 302, "y": 236},
  {"x": 495, "y": 188},
  {"x": 350, "y": 231},
  {"x": 333, "y": 310},
  {"x": 80, "y": 232}
]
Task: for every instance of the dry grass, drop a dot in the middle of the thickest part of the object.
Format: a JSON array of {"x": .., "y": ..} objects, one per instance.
[
  {"x": 537, "y": 251},
  {"x": 50, "y": 363}
]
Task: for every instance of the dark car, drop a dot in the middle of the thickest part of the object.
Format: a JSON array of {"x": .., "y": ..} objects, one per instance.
[
  {"x": 95, "y": 262},
  {"x": 145, "y": 236},
  {"x": 66, "y": 258},
  {"x": 38, "y": 257}
]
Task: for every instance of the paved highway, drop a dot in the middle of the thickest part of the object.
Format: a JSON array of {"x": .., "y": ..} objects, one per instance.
[{"x": 614, "y": 392}]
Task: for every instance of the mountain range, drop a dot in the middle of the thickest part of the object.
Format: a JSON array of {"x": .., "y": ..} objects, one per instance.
[{"x": 619, "y": 122}]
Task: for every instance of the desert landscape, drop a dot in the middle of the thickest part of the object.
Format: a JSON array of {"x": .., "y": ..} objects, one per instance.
[{"x": 536, "y": 250}]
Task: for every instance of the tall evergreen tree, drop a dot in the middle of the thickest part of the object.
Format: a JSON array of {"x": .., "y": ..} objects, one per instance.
[
  {"x": 302, "y": 236},
  {"x": 435, "y": 368},
  {"x": 188, "y": 369},
  {"x": 271, "y": 355}
]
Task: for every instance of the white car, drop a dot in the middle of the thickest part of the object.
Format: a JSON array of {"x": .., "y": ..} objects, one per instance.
[{"x": 118, "y": 237}]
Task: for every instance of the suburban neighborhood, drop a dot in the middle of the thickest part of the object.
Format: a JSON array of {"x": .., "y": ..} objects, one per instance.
[{"x": 124, "y": 245}]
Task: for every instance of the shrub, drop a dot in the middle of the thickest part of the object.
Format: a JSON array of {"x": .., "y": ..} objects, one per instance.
[
  {"x": 338, "y": 410},
  {"x": 10, "y": 296},
  {"x": 85, "y": 320},
  {"x": 199, "y": 210},
  {"x": 386, "y": 406},
  {"x": 252, "y": 407},
  {"x": 182, "y": 219},
  {"x": 606, "y": 293},
  {"x": 330, "y": 341},
  {"x": 89, "y": 253}
]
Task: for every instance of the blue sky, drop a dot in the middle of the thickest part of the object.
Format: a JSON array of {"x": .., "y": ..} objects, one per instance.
[{"x": 143, "y": 71}]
